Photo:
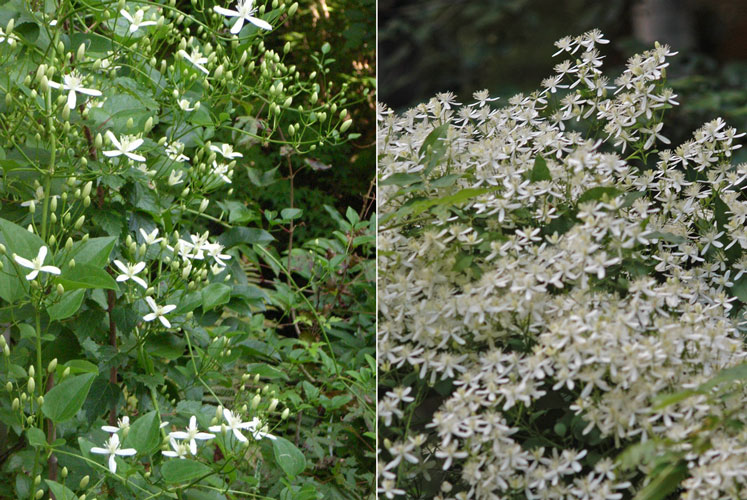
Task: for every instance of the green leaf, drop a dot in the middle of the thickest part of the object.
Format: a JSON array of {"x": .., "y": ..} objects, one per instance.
[
  {"x": 67, "y": 306},
  {"x": 664, "y": 483},
  {"x": 181, "y": 471},
  {"x": 85, "y": 276},
  {"x": 400, "y": 179},
  {"x": 540, "y": 172},
  {"x": 670, "y": 237},
  {"x": 732, "y": 374},
  {"x": 288, "y": 457},
  {"x": 20, "y": 241},
  {"x": 144, "y": 434},
  {"x": 60, "y": 491},
  {"x": 739, "y": 289},
  {"x": 265, "y": 371},
  {"x": 94, "y": 252},
  {"x": 454, "y": 199},
  {"x": 215, "y": 294},
  {"x": 433, "y": 147},
  {"x": 64, "y": 400},
  {"x": 36, "y": 437},
  {"x": 246, "y": 235},
  {"x": 291, "y": 213},
  {"x": 597, "y": 193}
]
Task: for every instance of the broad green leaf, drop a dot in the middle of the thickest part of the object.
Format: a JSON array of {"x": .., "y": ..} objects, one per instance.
[
  {"x": 60, "y": 491},
  {"x": 670, "y": 237},
  {"x": 67, "y": 306},
  {"x": 739, "y": 289},
  {"x": 64, "y": 400},
  {"x": 738, "y": 372},
  {"x": 597, "y": 193},
  {"x": 94, "y": 252},
  {"x": 85, "y": 276},
  {"x": 20, "y": 241},
  {"x": 144, "y": 434},
  {"x": 454, "y": 199},
  {"x": 81, "y": 366},
  {"x": 36, "y": 437},
  {"x": 400, "y": 179},
  {"x": 288, "y": 457},
  {"x": 265, "y": 371},
  {"x": 245, "y": 235},
  {"x": 291, "y": 213},
  {"x": 101, "y": 397},
  {"x": 445, "y": 181},
  {"x": 181, "y": 471},
  {"x": 215, "y": 294},
  {"x": 663, "y": 483},
  {"x": 540, "y": 172}
]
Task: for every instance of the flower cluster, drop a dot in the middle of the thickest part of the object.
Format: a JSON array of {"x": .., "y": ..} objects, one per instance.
[{"x": 559, "y": 268}]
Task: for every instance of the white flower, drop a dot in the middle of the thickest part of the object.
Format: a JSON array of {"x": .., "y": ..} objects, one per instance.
[
  {"x": 129, "y": 271},
  {"x": 221, "y": 170},
  {"x": 191, "y": 435},
  {"x": 122, "y": 425},
  {"x": 226, "y": 150},
  {"x": 158, "y": 312},
  {"x": 180, "y": 449},
  {"x": 150, "y": 238},
  {"x": 112, "y": 449},
  {"x": 245, "y": 9},
  {"x": 214, "y": 250},
  {"x": 125, "y": 146},
  {"x": 234, "y": 423},
  {"x": 73, "y": 83},
  {"x": 136, "y": 21},
  {"x": 37, "y": 264},
  {"x": 185, "y": 105},
  {"x": 11, "y": 39},
  {"x": 173, "y": 151},
  {"x": 175, "y": 177},
  {"x": 195, "y": 58}
]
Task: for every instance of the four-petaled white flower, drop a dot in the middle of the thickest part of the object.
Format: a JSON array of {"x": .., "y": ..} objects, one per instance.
[
  {"x": 36, "y": 264},
  {"x": 244, "y": 11},
  {"x": 158, "y": 312},
  {"x": 234, "y": 423},
  {"x": 112, "y": 449},
  {"x": 150, "y": 238},
  {"x": 179, "y": 448},
  {"x": 136, "y": 21},
  {"x": 214, "y": 250},
  {"x": 221, "y": 170},
  {"x": 191, "y": 435},
  {"x": 73, "y": 82},
  {"x": 129, "y": 271},
  {"x": 196, "y": 58},
  {"x": 174, "y": 152},
  {"x": 226, "y": 150},
  {"x": 125, "y": 146},
  {"x": 175, "y": 177},
  {"x": 123, "y": 424}
]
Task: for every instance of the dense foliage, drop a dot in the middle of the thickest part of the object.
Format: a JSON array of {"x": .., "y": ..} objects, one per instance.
[
  {"x": 562, "y": 293},
  {"x": 165, "y": 334}
]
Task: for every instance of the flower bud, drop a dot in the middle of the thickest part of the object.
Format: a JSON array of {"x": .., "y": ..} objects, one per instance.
[
  {"x": 84, "y": 482},
  {"x": 63, "y": 473},
  {"x": 65, "y": 372},
  {"x": 293, "y": 8},
  {"x": 286, "y": 47},
  {"x": 148, "y": 124},
  {"x": 273, "y": 405},
  {"x": 255, "y": 401},
  {"x": 52, "y": 366},
  {"x": 81, "y": 52},
  {"x": 16, "y": 404},
  {"x": 87, "y": 189},
  {"x": 79, "y": 222},
  {"x": 31, "y": 385},
  {"x": 9, "y": 386},
  {"x": 32, "y": 207},
  {"x": 345, "y": 125},
  {"x": 203, "y": 204},
  {"x": 32, "y": 371},
  {"x": 71, "y": 264},
  {"x": 285, "y": 414},
  {"x": 52, "y": 240},
  {"x": 130, "y": 123},
  {"x": 60, "y": 290}
]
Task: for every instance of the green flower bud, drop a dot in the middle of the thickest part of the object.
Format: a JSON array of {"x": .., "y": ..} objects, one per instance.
[
  {"x": 346, "y": 125},
  {"x": 293, "y": 8},
  {"x": 32, "y": 206},
  {"x": 71, "y": 264},
  {"x": 81, "y": 52},
  {"x": 273, "y": 405},
  {"x": 84, "y": 482},
  {"x": 52, "y": 365},
  {"x": 52, "y": 240},
  {"x": 32, "y": 385},
  {"x": 69, "y": 244},
  {"x": 130, "y": 123},
  {"x": 65, "y": 372},
  {"x": 63, "y": 473},
  {"x": 80, "y": 221},
  {"x": 16, "y": 404},
  {"x": 32, "y": 371},
  {"x": 285, "y": 414},
  {"x": 9, "y": 386},
  {"x": 87, "y": 189},
  {"x": 314, "y": 98}
]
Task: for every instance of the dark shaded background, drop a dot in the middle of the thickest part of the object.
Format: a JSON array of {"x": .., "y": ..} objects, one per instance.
[{"x": 429, "y": 46}]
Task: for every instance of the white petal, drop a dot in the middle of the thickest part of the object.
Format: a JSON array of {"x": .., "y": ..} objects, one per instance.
[
  {"x": 178, "y": 435},
  {"x": 169, "y": 454},
  {"x": 50, "y": 269},
  {"x": 112, "y": 464},
  {"x": 71, "y": 100},
  {"x": 135, "y": 144},
  {"x": 32, "y": 275},
  {"x": 149, "y": 317},
  {"x": 100, "y": 451},
  {"x": 237, "y": 26},
  {"x": 127, "y": 16},
  {"x": 259, "y": 23},
  {"x": 168, "y": 308},
  {"x": 23, "y": 262},
  {"x": 134, "y": 156},
  {"x": 126, "y": 452},
  {"x": 140, "y": 282},
  {"x": 165, "y": 322},
  {"x": 42, "y": 254},
  {"x": 108, "y": 428},
  {"x": 112, "y": 153},
  {"x": 121, "y": 266},
  {"x": 92, "y": 92},
  {"x": 240, "y": 436},
  {"x": 54, "y": 85},
  {"x": 151, "y": 303}
]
